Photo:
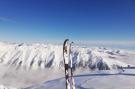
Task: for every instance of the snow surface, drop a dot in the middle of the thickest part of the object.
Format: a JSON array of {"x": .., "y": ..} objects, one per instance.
[
  {"x": 94, "y": 80},
  {"x": 40, "y": 66}
]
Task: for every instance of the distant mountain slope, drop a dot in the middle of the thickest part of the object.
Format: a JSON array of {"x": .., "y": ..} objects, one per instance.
[{"x": 41, "y": 56}]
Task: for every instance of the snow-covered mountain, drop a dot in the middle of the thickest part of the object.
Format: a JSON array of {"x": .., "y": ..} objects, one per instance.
[
  {"x": 41, "y": 56},
  {"x": 26, "y": 65}
]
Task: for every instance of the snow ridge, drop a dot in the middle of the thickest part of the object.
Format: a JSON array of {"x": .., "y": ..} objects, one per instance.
[{"x": 41, "y": 56}]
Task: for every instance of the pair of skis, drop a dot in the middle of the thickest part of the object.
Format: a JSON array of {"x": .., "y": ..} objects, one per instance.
[{"x": 70, "y": 84}]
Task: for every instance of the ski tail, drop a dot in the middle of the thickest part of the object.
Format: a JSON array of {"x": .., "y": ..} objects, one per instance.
[
  {"x": 70, "y": 83},
  {"x": 65, "y": 44}
]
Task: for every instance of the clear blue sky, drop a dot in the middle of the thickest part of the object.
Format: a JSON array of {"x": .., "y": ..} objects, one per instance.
[{"x": 40, "y": 20}]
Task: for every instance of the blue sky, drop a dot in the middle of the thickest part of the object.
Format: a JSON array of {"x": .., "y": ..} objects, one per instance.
[{"x": 41, "y": 20}]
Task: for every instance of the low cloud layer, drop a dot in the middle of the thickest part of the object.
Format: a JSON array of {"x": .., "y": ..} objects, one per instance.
[{"x": 123, "y": 43}]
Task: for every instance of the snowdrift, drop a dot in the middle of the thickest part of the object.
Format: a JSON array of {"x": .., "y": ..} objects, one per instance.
[{"x": 41, "y": 56}]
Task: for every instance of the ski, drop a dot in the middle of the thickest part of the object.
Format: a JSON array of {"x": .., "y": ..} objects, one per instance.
[
  {"x": 66, "y": 53},
  {"x": 70, "y": 84},
  {"x": 71, "y": 67}
]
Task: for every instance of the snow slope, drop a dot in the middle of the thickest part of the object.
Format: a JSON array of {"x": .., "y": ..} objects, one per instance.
[
  {"x": 94, "y": 80},
  {"x": 35, "y": 65}
]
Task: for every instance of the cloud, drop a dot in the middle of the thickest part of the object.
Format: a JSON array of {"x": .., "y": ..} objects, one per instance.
[
  {"x": 5, "y": 19},
  {"x": 111, "y": 43}
]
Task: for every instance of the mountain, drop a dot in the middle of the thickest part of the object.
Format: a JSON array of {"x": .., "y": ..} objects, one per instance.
[
  {"x": 41, "y": 56},
  {"x": 23, "y": 65}
]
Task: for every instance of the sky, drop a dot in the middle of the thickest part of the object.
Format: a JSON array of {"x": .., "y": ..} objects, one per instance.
[{"x": 42, "y": 20}]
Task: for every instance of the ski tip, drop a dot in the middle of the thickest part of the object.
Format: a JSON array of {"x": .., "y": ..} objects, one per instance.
[
  {"x": 72, "y": 42},
  {"x": 66, "y": 40}
]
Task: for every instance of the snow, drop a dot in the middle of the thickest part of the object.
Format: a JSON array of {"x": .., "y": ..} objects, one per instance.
[
  {"x": 94, "y": 80},
  {"x": 40, "y": 66},
  {"x": 41, "y": 56}
]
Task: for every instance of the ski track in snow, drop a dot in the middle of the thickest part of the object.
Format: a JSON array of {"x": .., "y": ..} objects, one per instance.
[{"x": 40, "y": 66}]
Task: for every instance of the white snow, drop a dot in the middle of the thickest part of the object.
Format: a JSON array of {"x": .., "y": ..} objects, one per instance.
[
  {"x": 41, "y": 66},
  {"x": 94, "y": 80}
]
